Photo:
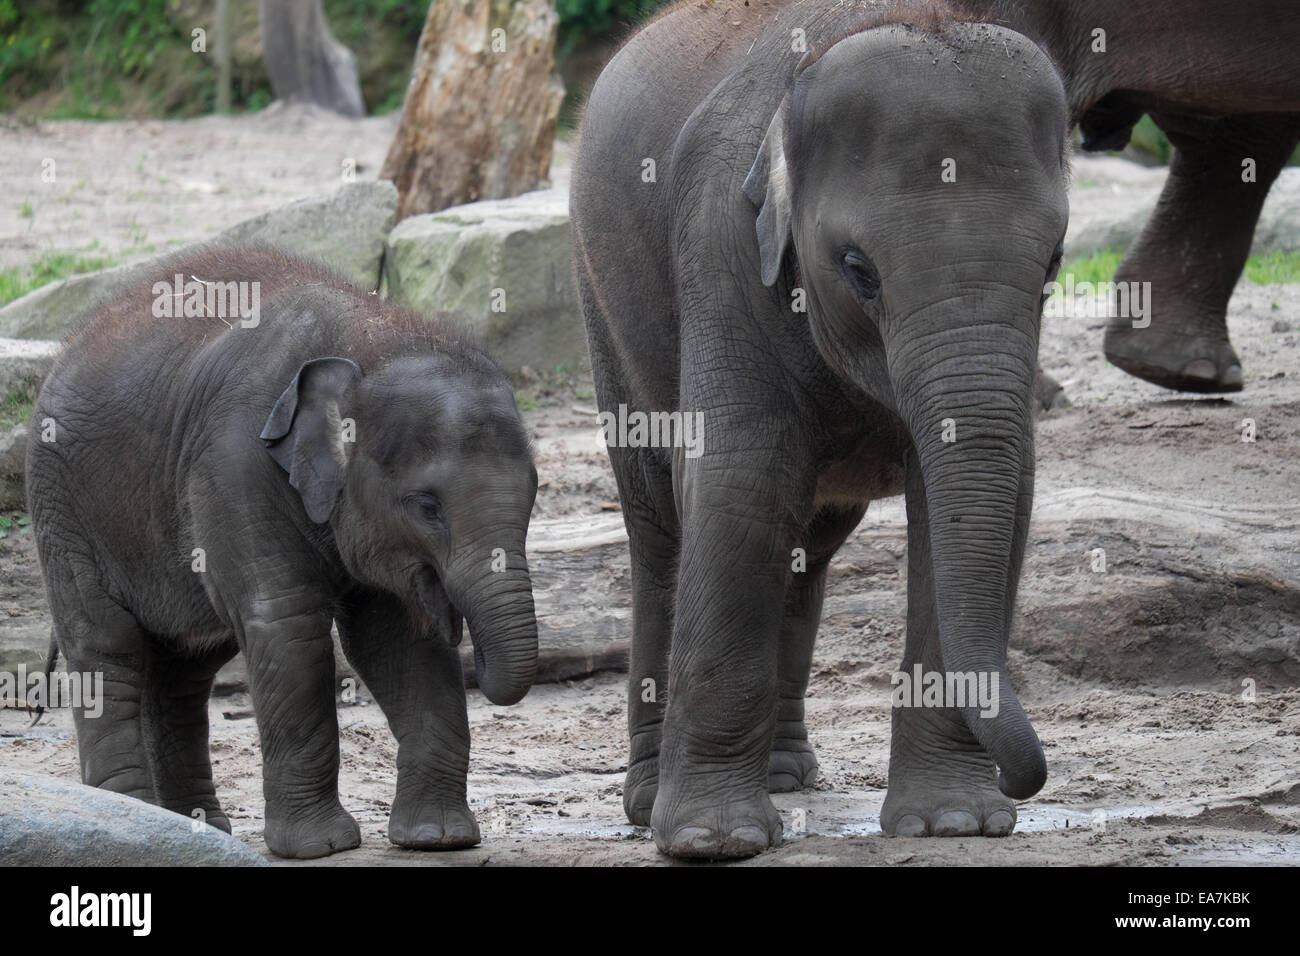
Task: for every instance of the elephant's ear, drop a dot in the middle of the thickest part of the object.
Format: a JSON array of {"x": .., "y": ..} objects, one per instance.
[
  {"x": 304, "y": 432},
  {"x": 768, "y": 188}
]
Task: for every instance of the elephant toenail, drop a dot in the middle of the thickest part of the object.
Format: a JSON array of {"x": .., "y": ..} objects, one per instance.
[
  {"x": 1232, "y": 375},
  {"x": 1202, "y": 369},
  {"x": 748, "y": 836},
  {"x": 956, "y": 823},
  {"x": 910, "y": 826},
  {"x": 999, "y": 823}
]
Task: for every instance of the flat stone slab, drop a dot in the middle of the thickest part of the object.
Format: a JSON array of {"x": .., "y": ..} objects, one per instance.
[
  {"x": 345, "y": 231},
  {"x": 45, "y": 821}
]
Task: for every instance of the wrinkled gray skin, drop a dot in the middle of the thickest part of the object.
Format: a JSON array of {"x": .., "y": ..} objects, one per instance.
[
  {"x": 174, "y": 434},
  {"x": 924, "y": 300}
]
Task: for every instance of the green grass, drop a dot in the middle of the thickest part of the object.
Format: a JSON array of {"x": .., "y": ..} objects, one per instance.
[
  {"x": 48, "y": 268},
  {"x": 1273, "y": 267},
  {"x": 16, "y": 409},
  {"x": 27, "y": 211},
  {"x": 1098, "y": 267}
]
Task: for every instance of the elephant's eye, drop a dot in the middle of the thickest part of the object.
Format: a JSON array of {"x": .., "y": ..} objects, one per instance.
[
  {"x": 428, "y": 506},
  {"x": 861, "y": 274}
]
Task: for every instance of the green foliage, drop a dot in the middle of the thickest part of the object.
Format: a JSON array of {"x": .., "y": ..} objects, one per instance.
[
  {"x": 582, "y": 20},
  {"x": 106, "y": 59},
  {"x": 85, "y": 56},
  {"x": 8, "y": 524}
]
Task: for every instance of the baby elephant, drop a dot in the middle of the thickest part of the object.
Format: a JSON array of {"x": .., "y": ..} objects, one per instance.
[{"x": 237, "y": 455}]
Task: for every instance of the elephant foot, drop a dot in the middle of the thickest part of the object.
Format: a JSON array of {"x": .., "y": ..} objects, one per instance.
[
  {"x": 309, "y": 836},
  {"x": 941, "y": 781},
  {"x": 1186, "y": 361},
  {"x": 738, "y": 827},
  {"x": 640, "y": 787},
  {"x": 919, "y": 810},
  {"x": 424, "y": 825},
  {"x": 792, "y": 765}
]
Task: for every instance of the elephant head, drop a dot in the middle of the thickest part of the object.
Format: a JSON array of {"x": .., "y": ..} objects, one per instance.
[
  {"x": 424, "y": 473},
  {"x": 913, "y": 184}
]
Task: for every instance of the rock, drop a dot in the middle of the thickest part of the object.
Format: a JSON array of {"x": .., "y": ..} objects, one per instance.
[
  {"x": 345, "y": 230},
  {"x": 1279, "y": 224},
  {"x": 1112, "y": 199},
  {"x": 45, "y": 821},
  {"x": 54, "y": 311},
  {"x": 13, "y": 459},
  {"x": 1107, "y": 219},
  {"x": 24, "y": 365},
  {"x": 503, "y": 268}
]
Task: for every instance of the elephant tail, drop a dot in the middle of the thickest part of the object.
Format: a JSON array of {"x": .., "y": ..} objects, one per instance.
[{"x": 51, "y": 658}]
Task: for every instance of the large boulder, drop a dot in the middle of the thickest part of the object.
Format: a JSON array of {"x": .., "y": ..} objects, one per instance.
[
  {"x": 1111, "y": 201},
  {"x": 503, "y": 268},
  {"x": 46, "y": 821},
  {"x": 24, "y": 365},
  {"x": 345, "y": 230}
]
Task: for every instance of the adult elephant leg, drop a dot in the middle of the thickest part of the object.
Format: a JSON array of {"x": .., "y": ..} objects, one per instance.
[
  {"x": 645, "y": 491},
  {"x": 739, "y": 511},
  {"x": 175, "y": 715},
  {"x": 285, "y": 637},
  {"x": 1194, "y": 248},
  {"x": 942, "y": 782},
  {"x": 792, "y": 765},
  {"x": 416, "y": 678}
]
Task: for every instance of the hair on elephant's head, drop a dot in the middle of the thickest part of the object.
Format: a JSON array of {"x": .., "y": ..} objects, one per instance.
[
  {"x": 913, "y": 183},
  {"x": 424, "y": 472}
]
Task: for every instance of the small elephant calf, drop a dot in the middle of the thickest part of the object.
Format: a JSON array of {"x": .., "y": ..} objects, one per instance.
[{"x": 237, "y": 455}]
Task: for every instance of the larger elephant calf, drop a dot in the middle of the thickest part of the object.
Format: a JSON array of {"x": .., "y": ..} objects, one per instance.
[
  {"x": 825, "y": 228},
  {"x": 232, "y": 457}
]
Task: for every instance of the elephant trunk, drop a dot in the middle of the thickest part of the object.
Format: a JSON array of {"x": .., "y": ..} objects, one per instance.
[
  {"x": 498, "y": 609},
  {"x": 965, "y": 393}
]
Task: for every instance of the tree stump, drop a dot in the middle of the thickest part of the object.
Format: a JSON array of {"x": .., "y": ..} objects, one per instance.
[
  {"x": 306, "y": 64},
  {"x": 479, "y": 117}
]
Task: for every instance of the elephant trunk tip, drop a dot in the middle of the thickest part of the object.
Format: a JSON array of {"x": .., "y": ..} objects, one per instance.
[
  {"x": 504, "y": 693},
  {"x": 1023, "y": 781},
  {"x": 505, "y": 681}
]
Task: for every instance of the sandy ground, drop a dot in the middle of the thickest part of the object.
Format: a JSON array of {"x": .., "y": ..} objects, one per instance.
[{"x": 1138, "y": 678}]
